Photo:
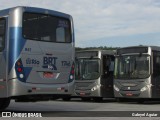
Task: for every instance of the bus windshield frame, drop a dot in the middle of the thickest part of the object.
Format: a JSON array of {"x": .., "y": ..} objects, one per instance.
[
  {"x": 132, "y": 66},
  {"x": 85, "y": 69},
  {"x": 34, "y": 28}
]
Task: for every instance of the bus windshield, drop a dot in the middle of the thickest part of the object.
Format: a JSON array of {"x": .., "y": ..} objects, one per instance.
[
  {"x": 87, "y": 69},
  {"x": 132, "y": 67}
]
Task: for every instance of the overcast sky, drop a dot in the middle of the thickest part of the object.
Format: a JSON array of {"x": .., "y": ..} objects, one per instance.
[{"x": 115, "y": 23}]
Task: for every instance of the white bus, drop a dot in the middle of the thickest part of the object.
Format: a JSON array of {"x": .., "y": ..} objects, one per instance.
[
  {"x": 137, "y": 73},
  {"x": 36, "y": 55},
  {"x": 94, "y": 74}
]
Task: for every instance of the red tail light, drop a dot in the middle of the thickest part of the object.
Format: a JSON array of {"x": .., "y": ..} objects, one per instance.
[
  {"x": 19, "y": 69},
  {"x": 71, "y": 76},
  {"x": 72, "y": 72}
]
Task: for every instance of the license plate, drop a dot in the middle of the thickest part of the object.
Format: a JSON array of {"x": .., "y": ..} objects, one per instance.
[
  {"x": 48, "y": 75},
  {"x": 82, "y": 94},
  {"x": 129, "y": 94}
]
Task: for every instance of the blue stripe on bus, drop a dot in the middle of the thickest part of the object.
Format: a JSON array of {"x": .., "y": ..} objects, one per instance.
[
  {"x": 6, "y": 38},
  {"x": 27, "y": 71},
  {"x": 16, "y": 44}
]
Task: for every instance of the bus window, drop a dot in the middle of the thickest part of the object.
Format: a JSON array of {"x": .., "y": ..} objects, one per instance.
[
  {"x": 60, "y": 34},
  {"x": 2, "y": 34},
  {"x": 87, "y": 69},
  {"x": 46, "y": 28}
]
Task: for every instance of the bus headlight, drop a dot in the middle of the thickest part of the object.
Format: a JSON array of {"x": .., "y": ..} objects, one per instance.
[
  {"x": 116, "y": 88},
  {"x": 145, "y": 88},
  {"x": 95, "y": 87}
]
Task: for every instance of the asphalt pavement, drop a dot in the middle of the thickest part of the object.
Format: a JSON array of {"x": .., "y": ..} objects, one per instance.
[{"x": 78, "y": 109}]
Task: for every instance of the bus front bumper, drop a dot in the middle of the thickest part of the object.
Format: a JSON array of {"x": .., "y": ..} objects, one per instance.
[
  {"x": 88, "y": 93},
  {"x": 132, "y": 94}
]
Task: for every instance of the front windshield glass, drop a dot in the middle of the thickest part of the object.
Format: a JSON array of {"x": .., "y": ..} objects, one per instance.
[
  {"x": 132, "y": 67},
  {"x": 87, "y": 69}
]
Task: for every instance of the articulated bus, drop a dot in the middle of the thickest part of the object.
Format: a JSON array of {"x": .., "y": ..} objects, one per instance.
[
  {"x": 137, "y": 73},
  {"x": 36, "y": 55},
  {"x": 94, "y": 74}
]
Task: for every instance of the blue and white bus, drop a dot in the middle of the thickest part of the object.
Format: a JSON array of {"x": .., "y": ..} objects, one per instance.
[{"x": 36, "y": 55}]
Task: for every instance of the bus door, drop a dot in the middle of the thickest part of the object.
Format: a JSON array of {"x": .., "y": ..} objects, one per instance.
[
  {"x": 107, "y": 75},
  {"x": 3, "y": 36}
]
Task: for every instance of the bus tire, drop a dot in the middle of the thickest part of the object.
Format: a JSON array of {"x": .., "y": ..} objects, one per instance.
[{"x": 4, "y": 103}]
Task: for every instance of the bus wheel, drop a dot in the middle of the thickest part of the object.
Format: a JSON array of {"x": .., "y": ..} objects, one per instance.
[
  {"x": 4, "y": 103},
  {"x": 86, "y": 99},
  {"x": 66, "y": 99},
  {"x": 98, "y": 99}
]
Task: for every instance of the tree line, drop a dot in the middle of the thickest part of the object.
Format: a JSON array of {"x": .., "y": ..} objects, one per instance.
[{"x": 98, "y": 48}]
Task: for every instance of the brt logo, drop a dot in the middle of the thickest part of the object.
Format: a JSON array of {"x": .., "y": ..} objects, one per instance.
[{"x": 50, "y": 63}]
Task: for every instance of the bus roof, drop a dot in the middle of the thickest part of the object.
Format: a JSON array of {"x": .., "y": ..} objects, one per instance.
[
  {"x": 35, "y": 9},
  {"x": 152, "y": 47},
  {"x": 94, "y": 52}
]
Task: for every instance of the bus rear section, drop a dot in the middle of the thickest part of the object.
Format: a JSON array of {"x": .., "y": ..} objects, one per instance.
[
  {"x": 135, "y": 73},
  {"x": 40, "y": 54},
  {"x": 94, "y": 74}
]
